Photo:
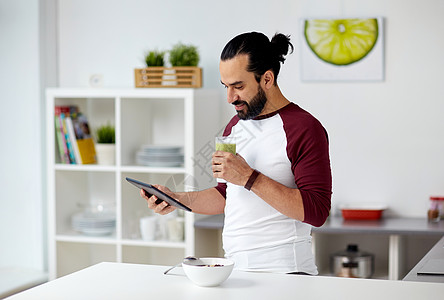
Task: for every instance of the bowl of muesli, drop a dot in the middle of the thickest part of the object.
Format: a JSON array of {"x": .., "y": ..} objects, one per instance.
[{"x": 208, "y": 271}]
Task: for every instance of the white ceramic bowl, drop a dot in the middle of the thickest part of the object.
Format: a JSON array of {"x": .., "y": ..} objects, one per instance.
[{"x": 213, "y": 272}]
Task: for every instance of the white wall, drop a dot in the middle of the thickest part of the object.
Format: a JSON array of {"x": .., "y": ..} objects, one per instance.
[
  {"x": 386, "y": 137},
  {"x": 21, "y": 175}
]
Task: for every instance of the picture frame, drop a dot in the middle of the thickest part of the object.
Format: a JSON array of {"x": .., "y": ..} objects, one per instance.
[{"x": 320, "y": 62}]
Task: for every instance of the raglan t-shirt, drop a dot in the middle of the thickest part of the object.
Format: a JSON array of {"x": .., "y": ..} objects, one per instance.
[{"x": 289, "y": 146}]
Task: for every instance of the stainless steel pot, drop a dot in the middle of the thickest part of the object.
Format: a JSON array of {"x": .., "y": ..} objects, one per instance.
[{"x": 352, "y": 263}]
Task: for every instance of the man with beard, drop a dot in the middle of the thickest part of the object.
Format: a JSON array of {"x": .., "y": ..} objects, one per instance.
[{"x": 278, "y": 184}]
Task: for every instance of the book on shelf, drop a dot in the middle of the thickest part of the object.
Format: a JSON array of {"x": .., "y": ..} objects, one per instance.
[
  {"x": 75, "y": 143},
  {"x": 60, "y": 136},
  {"x": 72, "y": 139},
  {"x": 61, "y": 112},
  {"x": 85, "y": 142}
]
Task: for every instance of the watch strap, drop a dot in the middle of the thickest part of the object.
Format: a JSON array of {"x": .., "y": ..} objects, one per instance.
[{"x": 252, "y": 179}]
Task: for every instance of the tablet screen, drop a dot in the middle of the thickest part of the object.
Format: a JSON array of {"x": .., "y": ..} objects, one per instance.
[{"x": 158, "y": 193}]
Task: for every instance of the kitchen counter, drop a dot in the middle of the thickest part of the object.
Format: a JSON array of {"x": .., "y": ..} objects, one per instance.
[
  {"x": 133, "y": 281},
  {"x": 339, "y": 225},
  {"x": 210, "y": 222},
  {"x": 408, "y": 226}
]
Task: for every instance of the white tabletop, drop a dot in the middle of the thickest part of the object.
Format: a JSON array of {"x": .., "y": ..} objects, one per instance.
[{"x": 133, "y": 281}]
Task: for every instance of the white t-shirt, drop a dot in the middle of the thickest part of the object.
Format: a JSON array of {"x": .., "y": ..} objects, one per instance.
[{"x": 255, "y": 235}]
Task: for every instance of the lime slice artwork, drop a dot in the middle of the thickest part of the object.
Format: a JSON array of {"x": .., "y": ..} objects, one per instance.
[{"x": 341, "y": 42}]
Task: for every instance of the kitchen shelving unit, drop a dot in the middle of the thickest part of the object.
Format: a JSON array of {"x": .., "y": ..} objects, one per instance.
[{"x": 170, "y": 116}]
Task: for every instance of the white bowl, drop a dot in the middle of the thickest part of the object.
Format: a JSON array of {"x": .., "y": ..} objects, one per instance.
[{"x": 209, "y": 271}]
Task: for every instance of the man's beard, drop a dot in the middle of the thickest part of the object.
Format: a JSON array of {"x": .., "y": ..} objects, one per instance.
[{"x": 254, "y": 108}]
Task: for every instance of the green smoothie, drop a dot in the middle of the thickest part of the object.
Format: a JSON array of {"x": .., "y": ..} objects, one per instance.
[{"x": 226, "y": 147}]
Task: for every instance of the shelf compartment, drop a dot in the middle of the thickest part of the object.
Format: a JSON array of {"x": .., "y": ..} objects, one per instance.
[
  {"x": 153, "y": 121},
  {"x": 75, "y": 191},
  {"x": 135, "y": 207},
  {"x": 328, "y": 244},
  {"x": 98, "y": 111}
]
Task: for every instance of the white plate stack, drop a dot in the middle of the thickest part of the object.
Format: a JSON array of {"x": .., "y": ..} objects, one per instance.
[
  {"x": 94, "y": 223},
  {"x": 160, "y": 156}
]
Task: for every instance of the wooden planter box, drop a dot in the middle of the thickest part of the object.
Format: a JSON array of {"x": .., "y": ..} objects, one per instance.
[{"x": 179, "y": 77}]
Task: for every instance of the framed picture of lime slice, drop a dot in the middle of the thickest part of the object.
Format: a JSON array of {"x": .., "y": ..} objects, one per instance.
[{"x": 342, "y": 49}]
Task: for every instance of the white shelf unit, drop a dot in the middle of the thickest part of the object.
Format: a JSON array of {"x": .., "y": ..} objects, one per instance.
[{"x": 141, "y": 116}]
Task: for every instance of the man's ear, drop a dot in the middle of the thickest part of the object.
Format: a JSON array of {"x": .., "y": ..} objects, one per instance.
[{"x": 268, "y": 79}]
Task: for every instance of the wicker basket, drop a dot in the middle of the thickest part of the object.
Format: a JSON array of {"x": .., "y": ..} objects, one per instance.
[{"x": 178, "y": 77}]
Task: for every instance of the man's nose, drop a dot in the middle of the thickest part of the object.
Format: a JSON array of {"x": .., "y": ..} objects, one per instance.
[{"x": 232, "y": 96}]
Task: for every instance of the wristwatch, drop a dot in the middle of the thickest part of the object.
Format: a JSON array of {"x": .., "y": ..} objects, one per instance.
[{"x": 252, "y": 179}]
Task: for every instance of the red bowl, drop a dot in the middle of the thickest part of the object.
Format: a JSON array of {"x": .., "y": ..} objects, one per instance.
[{"x": 362, "y": 213}]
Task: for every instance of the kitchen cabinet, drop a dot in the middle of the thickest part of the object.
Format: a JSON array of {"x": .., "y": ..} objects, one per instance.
[
  {"x": 174, "y": 116},
  {"x": 397, "y": 243}
]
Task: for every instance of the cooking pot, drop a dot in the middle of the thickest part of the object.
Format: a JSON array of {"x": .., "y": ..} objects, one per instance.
[{"x": 352, "y": 263}]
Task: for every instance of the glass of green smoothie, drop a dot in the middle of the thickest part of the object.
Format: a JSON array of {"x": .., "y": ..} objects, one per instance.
[{"x": 226, "y": 144}]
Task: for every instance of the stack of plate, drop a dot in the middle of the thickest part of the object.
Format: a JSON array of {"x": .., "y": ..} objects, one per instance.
[
  {"x": 160, "y": 156},
  {"x": 92, "y": 223}
]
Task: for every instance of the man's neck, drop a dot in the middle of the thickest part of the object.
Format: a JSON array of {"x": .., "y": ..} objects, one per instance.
[{"x": 275, "y": 101}]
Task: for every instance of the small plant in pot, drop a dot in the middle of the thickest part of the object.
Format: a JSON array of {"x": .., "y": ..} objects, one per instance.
[
  {"x": 155, "y": 58},
  {"x": 105, "y": 146},
  {"x": 184, "y": 55}
]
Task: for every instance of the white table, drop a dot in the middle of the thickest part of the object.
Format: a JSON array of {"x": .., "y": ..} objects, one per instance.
[{"x": 133, "y": 281}]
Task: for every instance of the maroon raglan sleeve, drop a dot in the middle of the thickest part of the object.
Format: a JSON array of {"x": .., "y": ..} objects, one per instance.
[
  {"x": 222, "y": 189},
  {"x": 307, "y": 149}
]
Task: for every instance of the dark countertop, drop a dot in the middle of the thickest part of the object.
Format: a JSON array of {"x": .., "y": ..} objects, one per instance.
[
  {"x": 339, "y": 225},
  {"x": 211, "y": 222},
  {"x": 384, "y": 225}
]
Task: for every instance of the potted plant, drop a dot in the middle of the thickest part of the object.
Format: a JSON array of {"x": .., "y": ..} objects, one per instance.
[
  {"x": 105, "y": 146},
  {"x": 155, "y": 58},
  {"x": 184, "y": 55}
]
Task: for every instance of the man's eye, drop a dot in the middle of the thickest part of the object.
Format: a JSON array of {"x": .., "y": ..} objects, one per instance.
[{"x": 239, "y": 87}]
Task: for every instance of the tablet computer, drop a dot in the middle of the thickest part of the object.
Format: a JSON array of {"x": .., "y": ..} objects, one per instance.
[{"x": 151, "y": 190}]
